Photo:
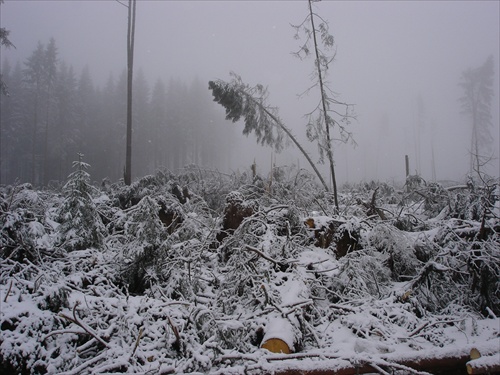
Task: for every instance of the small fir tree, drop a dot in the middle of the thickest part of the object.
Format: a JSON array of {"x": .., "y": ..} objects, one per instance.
[{"x": 81, "y": 226}]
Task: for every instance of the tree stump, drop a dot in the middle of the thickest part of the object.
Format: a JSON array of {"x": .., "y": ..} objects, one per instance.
[{"x": 236, "y": 210}]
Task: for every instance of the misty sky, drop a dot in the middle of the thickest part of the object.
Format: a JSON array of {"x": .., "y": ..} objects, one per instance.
[{"x": 388, "y": 53}]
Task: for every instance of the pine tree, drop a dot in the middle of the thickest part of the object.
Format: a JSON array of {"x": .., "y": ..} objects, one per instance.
[
  {"x": 158, "y": 123},
  {"x": 476, "y": 102},
  {"x": 34, "y": 77},
  {"x": 141, "y": 129},
  {"x": 5, "y": 109},
  {"x": 176, "y": 107},
  {"x": 15, "y": 127},
  {"x": 63, "y": 142},
  {"x": 4, "y": 42},
  {"x": 81, "y": 226},
  {"x": 143, "y": 251},
  {"x": 50, "y": 68}
]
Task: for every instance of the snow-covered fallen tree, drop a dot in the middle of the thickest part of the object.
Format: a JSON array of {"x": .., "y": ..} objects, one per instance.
[{"x": 202, "y": 272}]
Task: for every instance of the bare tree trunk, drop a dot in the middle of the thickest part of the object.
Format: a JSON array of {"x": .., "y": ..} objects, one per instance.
[
  {"x": 329, "y": 150},
  {"x": 433, "y": 161},
  {"x": 294, "y": 140},
  {"x": 476, "y": 152},
  {"x": 33, "y": 140},
  {"x": 46, "y": 140},
  {"x": 130, "y": 69}
]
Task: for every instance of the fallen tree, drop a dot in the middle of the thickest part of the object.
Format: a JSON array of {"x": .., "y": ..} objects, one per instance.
[
  {"x": 489, "y": 364},
  {"x": 439, "y": 362}
]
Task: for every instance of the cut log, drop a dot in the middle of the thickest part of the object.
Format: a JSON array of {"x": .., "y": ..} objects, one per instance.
[
  {"x": 483, "y": 365},
  {"x": 327, "y": 371},
  {"x": 279, "y": 336},
  {"x": 474, "y": 354},
  {"x": 275, "y": 345},
  {"x": 436, "y": 362}
]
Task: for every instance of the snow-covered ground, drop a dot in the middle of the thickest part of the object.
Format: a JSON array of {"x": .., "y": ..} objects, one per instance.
[{"x": 195, "y": 272}]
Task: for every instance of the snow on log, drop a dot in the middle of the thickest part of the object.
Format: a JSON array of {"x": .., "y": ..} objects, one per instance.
[
  {"x": 327, "y": 371},
  {"x": 483, "y": 365},
  {"x": 279, "y": 336},
  {"x": 448, "y": 361}
]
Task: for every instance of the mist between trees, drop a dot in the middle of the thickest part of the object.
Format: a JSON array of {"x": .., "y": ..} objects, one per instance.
[{"x": 52, "y": 113}]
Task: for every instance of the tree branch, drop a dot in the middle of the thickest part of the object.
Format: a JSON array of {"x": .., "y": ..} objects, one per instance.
[{"x": 85, "y": 327}]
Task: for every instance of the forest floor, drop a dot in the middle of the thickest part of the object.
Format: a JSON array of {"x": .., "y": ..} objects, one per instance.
[{"x": 205, "y": 273}]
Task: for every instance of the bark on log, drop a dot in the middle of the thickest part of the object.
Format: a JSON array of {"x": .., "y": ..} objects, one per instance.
[
  {"x": 489, "y": 364},
  {"x": 440, "y": 362},
  {"x": 484, "y": 365},
  {"x": 345, "y": 371}
]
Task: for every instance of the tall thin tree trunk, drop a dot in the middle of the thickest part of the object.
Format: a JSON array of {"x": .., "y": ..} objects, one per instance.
[
  {"x": 46, "y": 141},
  {"x": 156, "y": 157},
  {"x": 476, "y": 155},
  {"x": 130, "y": 69},
  {"x": 1, "y": 145},
  {"x": 474, "y": 143},
  {"x": 33, "y": 140},
  {"x": 433, "y": 161},
  {"x": 418, "y": 144},
  {"x": 329, "y": 150}
]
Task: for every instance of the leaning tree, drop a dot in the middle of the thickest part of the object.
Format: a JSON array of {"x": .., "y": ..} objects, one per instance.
[{"x": 241, "y": 100}]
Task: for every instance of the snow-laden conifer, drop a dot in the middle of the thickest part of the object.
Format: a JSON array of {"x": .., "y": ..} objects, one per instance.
[
  {"x": 81, "y": 226},
  {"x": 142, "y": 236}
]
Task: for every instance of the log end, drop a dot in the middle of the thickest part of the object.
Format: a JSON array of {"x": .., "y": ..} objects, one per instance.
[
  {"x": 475, "y": 354},
  {"x": 275, "y": 345}
]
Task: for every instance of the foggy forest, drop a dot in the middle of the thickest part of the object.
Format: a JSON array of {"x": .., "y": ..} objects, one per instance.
[{"x": 249, "y": 187}]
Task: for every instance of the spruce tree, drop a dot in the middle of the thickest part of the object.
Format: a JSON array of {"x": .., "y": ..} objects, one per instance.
[
  {"x": 81, "y": 226},
  {"x": 476, "y": 102}
]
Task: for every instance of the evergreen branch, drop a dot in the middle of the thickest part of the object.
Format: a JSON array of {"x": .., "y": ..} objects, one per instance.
[{"x": 238, "y": 100}]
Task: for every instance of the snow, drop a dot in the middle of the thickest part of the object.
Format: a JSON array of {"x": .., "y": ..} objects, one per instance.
[
  {"x": 489, "y": 361},
  {"x": 278, "y": 327},
  {"x": 200, "y": 306}
]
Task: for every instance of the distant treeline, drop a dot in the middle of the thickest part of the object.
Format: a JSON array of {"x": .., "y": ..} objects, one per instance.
[{"x": 50, "y": 115}]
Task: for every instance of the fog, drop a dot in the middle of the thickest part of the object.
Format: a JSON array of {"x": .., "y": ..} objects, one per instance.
[{"x": 388, "y": 54}]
